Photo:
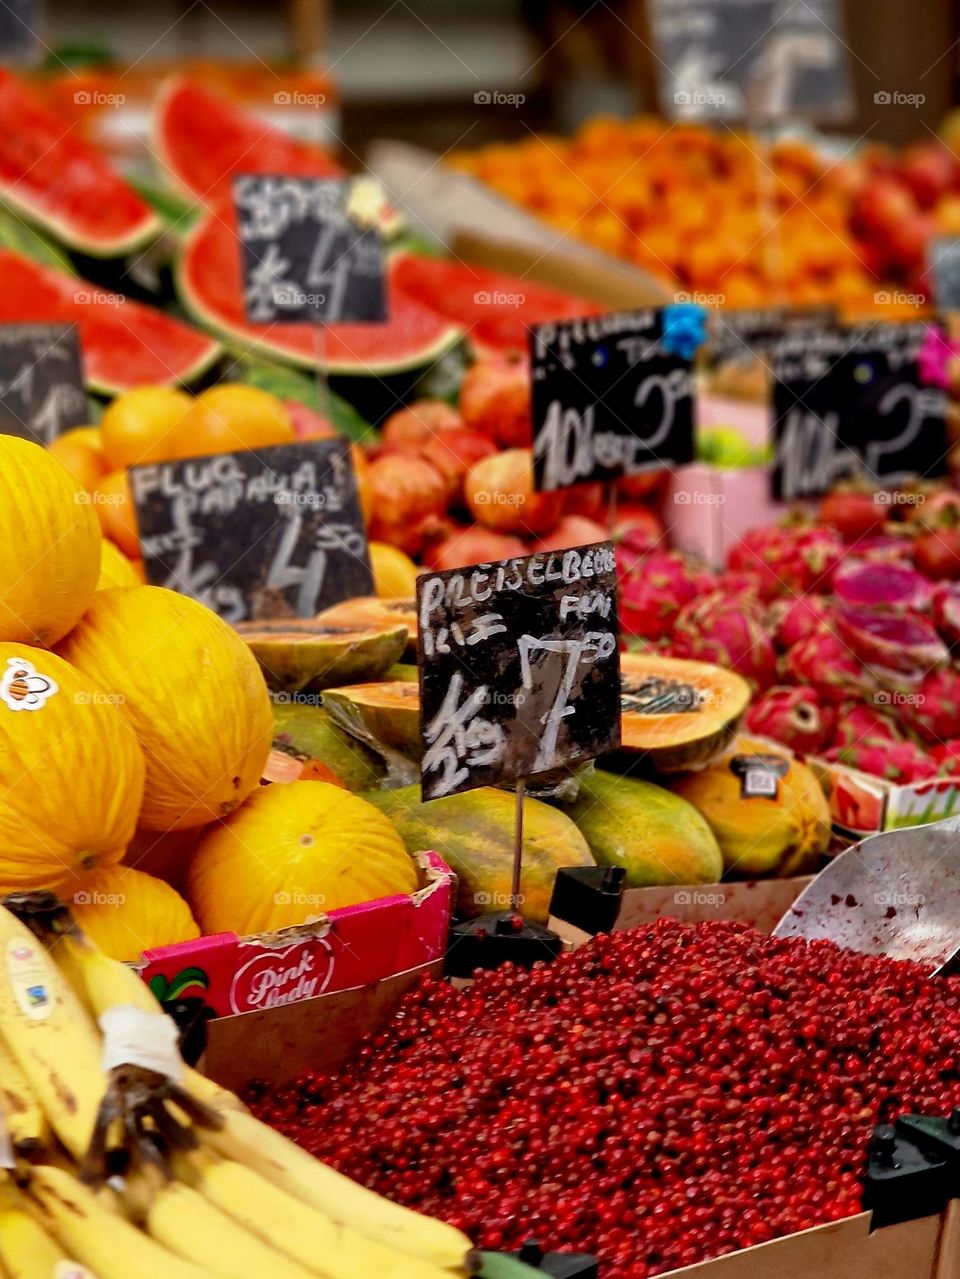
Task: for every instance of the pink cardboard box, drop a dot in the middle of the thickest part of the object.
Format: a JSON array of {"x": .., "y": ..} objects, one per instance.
[
  {"x": 706, "y": 509},
  {"x": 347, "y": 948}
]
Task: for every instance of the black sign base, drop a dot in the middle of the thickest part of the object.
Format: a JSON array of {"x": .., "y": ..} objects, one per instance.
[
  {"x": 903, "y": 1182},
  {"x": 588, "y": 897},
  {"x": 558, "y": 1265},
  {"x": 500, "y": 938}
]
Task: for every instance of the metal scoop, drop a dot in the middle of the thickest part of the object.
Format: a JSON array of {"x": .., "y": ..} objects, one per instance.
[{"x": 894, "y": 894}]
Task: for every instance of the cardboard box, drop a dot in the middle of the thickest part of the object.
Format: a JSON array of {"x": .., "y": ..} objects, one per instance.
[
  {"x": 862, "y": 804},
  {"x": 246, "y": 985}
]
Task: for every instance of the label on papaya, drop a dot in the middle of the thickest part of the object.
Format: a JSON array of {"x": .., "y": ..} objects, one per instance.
[
  {"x": 519, "y": 668},
  {"x": 27, "y": 972},
  {"x": 70, "y": 1270},
  {"x": 759, "y": 775},
  {"x": 613, "y": 395},
  {"x": 265, "y": 533},
  {"x": 23, "y": 688},
  {"x": 41, "y": 381},
  {"x": 311, "y": 251}
]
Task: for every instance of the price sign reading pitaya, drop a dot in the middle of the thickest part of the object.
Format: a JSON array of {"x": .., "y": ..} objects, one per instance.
[
  {"x": 613, "y": 395},
  {"x": 266, "y": 533},
  {"x": 310, "y": 249},
  {"x": 849, "y": 402},
  {"x": 41, "y": 381},
  {"x": 519, "y": 668}
]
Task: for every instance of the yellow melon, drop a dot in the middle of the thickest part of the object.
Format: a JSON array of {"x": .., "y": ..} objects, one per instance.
[
  {"x": 71, "y": 772},
  {"x": 49, "y": 545},
  {"x": 292, "y": 853},
  {"x": 193, "y": 692},
  {"x": 127, "y": 912},
  {"x": 115, "y": 568}
]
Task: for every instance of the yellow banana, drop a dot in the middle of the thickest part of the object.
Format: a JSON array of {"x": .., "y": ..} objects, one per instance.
[
  {"x": 322, "y": 1245},
  {"x": 104, "y": 983},
  {"x": 50, "y": 1035},
  {"x": 26, "y": 1250},
  {"x": 98, "y": 1238},
  {"x": 22, "y": 1113},
  {"x": 186, "y": 1223}
]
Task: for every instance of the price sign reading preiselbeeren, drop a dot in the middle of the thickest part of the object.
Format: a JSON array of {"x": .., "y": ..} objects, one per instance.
[
  {"x": 275, "y": 532},
  {"x": 519, "y": 668},
  {"x": 612, "y": 395},
  {"x": 41, "y": 381},
  {"x": 309, "y": 254},
  {"x": 848, "y": 402}
]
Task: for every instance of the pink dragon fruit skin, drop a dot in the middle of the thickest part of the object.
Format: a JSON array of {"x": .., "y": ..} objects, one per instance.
[
  {"x": 859, "y": 723},
  {"x": 881, "y": 548},
  {"x": 881, "y": 586},
  {"x": 901, "y": 762},
  {"x": 933, "y": 712},
  {"x": 946, "y": 611},
  {"x": 800, "y": 618},
  {"x": 655, "y": 590},
  {"x": 713, "y": 629},
  {"x": 904, "y": 643},
  {"x": 788, "y": 560},
  {"x": 795, "y": 716},
  {"x": 826, "y": 664},
  {"x": 947, "y": 758}
]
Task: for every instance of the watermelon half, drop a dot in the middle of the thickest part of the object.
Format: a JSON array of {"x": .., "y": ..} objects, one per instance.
[
  {"x": 496, "y": 310},
  {"x": 55, "y": 179},
  {"x": 125, "y": 344},
  {"x": 203, "y": 141}
]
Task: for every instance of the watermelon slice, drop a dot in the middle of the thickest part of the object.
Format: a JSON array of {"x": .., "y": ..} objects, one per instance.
[
  {"x": 495, "y": 309},
  {"x": 209, "y": 280},
  {"x": 55, "y": 179},
  {"x": 124, "y": 344},
  {"x": 203, "y": 141}
]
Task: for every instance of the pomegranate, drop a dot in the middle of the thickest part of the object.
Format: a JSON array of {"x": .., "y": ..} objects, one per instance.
[
  {"x": 472, "y": 545},
  {"x": 495, "y": 399},
  {"x": 500, "y": 495},
  {"x": 573, "y": 530},
  {"x": 419, "y": 424}
]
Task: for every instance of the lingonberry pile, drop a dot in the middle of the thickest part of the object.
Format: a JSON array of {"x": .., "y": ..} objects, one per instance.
[{"x": 659, "y": 1097}]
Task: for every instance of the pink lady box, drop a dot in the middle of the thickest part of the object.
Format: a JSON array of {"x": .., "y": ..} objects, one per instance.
[
  {"x": 344, "y": 949},
  {"x": 862, "y": 804}
]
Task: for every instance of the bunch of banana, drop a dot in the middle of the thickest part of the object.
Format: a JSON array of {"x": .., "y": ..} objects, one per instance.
[{"x": 206, "y": 1190}]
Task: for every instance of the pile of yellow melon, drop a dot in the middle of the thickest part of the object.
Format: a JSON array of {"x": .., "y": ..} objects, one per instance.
[{"x": 134, "y": 728}]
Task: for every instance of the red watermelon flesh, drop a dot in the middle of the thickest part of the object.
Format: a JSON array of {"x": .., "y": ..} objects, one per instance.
[
  {"x": 495, "y": 309},
  {"x": 124, "y": 344},
  {"x": 56, "y": 179},
  {"x": 209, "y": 277},
  {"x": 204, "y": 141}
]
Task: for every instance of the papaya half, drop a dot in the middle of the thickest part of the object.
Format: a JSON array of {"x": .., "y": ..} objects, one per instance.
[
  {"x": 301, "y": 654},
  {"x": 473, "y": 832},
  {"x": 387, "y": 712},
  {"x": 307, "y": 735},
  {"x": 370, "y": 612},
  {"x": 657, "y": 837}
]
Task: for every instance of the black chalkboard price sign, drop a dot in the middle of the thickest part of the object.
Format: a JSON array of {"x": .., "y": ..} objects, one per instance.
[
  {"x": 848, "y": 402},
  {"x": 20, "y": 30},
  {"x": 41, "y": 381},
  {"x": 519, "y": 668},
  {"x": 754, "y": 60},
  {"x": 274, "y": 532},
  {"x": 737, "y": 337},
  {"x": 307, "y": 253},
  {"x": 613, "y": 395},
  {"x": 943, "y": 267}
]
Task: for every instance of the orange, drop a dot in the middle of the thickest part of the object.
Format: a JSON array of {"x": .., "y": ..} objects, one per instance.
[
  {"x": 84, "y": 463},
  {"x": 113, "y": 503},
  {"x": 229, "y": 418},
  {"x": 136, "y": 427}
]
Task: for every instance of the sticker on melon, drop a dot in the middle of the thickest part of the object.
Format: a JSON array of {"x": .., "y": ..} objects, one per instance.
[
  {"x": 373, "y": 366},
  {"x": 678, "y": 714},
  {"x": 495, "y": 309},
  {"x": 56, "y": 180},
  {"x": 123, "y": 346}
]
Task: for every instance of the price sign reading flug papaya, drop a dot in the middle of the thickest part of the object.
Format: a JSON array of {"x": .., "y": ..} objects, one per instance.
[
  {"x": 848, "y": 402},
  {"x": 41, "y": 381},
  {"x": 266, "y": 533},
  {"x": 612, "y": 395},
  {"x": 309, "y": 254},
  {"x": 519, "y": 668}
]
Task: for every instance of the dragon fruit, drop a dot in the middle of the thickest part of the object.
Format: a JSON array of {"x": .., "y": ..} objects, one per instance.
[
  {"x": 947, "y": 758},
  {"x": 905, "y": 644},
  {"x": 655, "y": 590},
  {"x": 792, "y": 559},
  {"x": 946, "y": 611},
  {"x": 714, "y": 629},
  {"x": 900, "y": 762},
  {"x": 882, "y": 548},
  {"x": 933, "y": 712},
  {"x": 740, "y": 587},
  {"x": 881, "y": 586},
  {"x": 860, "y": 724},
  {"x": 793, "y": 716},
  {"x": 800, "y": 618},
  {"x": 827, "y": 665}
]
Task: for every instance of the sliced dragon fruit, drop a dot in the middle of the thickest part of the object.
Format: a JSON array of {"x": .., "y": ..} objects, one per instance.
[
  {"x": 946, "y": 611},
  {"x": 894, "y": 641},
  {"x": 800, "y": 618},
  {"x": 878, "y": 585}
]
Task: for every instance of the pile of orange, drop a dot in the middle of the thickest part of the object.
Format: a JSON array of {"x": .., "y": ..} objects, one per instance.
[{"x": 709, "y": 211}]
